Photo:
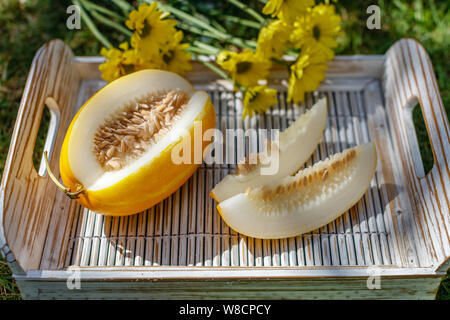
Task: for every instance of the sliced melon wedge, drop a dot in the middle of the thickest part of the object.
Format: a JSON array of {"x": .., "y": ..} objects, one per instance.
[
  {"x": 312, "y": 198},
  {"x": 296, "y": 144},
  {"x": 118, "y": 149}
]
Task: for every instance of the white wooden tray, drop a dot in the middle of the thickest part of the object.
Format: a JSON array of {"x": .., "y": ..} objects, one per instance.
[{"x": 182, "y": 249}]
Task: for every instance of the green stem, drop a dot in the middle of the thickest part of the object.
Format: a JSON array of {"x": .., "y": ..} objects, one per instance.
[
  {"x": 248, "y": 10},
  {"x": 196, "y": 50},
  {"x": 92, "y": 6},
  {"x": 111, "y": 23},
  {"x": 212, "y": 22},
  {"x": 100, "y": 37},
  {"x": 242, "y": 43},
  {"x": 123, "y": 5},
  {"x": 210, "y": 31},
  {"x": 227, "y": 38},
  {"x": 218, "y": 26},
  {"x": 220, "y": 72},
  {"x": 213, "y": 50},
  {"x": 188, "y": 18},
  {"x": 216, "y": 69},
  {"x": 198, "y": 31},
  {"x": 243, "y": 22}
]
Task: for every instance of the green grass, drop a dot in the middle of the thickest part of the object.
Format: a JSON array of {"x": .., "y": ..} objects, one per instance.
[
  {"x": 8, "y": 287},
  {"x": 32, "y": 24}
]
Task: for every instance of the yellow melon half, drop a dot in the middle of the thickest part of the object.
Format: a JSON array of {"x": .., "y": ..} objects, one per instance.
[
  {"x": 145, "y": 176},
  {"x": 312, "y": 198}
]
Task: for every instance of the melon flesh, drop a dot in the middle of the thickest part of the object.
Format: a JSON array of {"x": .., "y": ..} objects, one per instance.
[
  {"x": 312, "y": 198},
  {"x": 296, "y": 144}
]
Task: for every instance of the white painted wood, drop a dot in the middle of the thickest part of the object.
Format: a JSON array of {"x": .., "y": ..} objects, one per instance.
[
  {"x": 409, "y": 76},
  {"x": 192, "y": 272}
]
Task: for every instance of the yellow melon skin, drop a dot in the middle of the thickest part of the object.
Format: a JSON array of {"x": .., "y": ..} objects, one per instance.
[{"x": 144, "y": 188}]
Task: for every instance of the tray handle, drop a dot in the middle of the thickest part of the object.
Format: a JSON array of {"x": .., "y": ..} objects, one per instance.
[
  {"x": 27, "y": 197},
  {"x": 409, "y": 78}
]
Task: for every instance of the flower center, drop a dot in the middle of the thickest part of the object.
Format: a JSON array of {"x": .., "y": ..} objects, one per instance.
[
  {"x": 316, "y": 33},
  {"x": 146, "y": 29},
  {"x": 243, "y": 66},
  {"x": 168, "y": 56},
  {"x": 127, "y": 68},
  {"x": 253, "y": 96}
]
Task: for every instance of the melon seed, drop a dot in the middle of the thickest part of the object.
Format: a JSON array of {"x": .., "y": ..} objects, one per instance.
[{"x": 133, "y": 129}]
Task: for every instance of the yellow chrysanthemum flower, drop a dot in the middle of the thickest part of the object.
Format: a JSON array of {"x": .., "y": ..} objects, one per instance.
[
  {"x": 118, "y": 62},
  {"x": 223, "y": 56},
  {"x": 287, "y": 10},
  {"x": 319, "y": 27},
  {"x": 306, "y": 74},
  {"x": 273, "y": 39},
  {"x": 122, "y": 61},
  {"x": 174, "y": 56},
  {"x": 112, "y": 68},
  {"x": 245, "y": 68},
  {"x": 258, "y": 99},
  {"x": 151, "y": 29}
]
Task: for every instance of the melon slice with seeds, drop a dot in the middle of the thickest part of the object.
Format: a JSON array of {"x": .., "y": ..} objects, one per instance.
[
  {"x": 312, "y": 198},
  {"x": 116, "y": 158},
  {"x": 296, "y": 144}
]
